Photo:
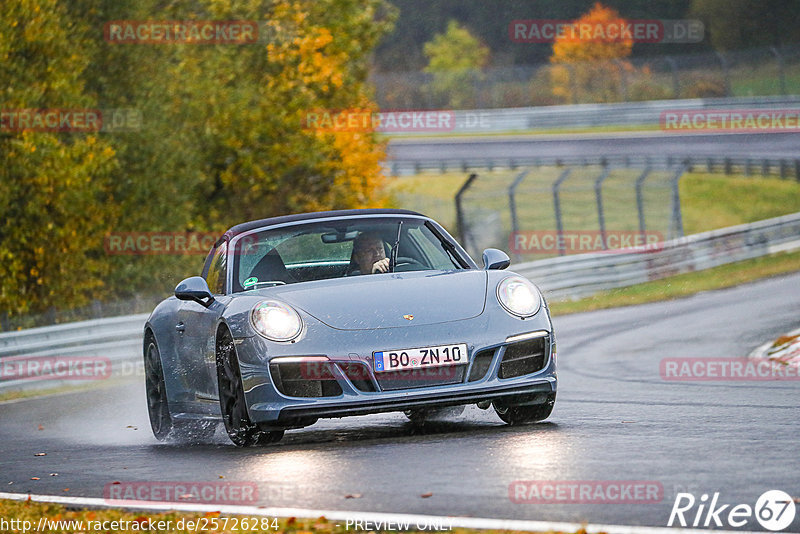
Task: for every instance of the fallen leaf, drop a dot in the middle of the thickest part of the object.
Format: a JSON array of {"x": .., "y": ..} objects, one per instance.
[
  {"x": 40, "y": 454},
  {"x": 353, "y": 496},
  {"x": 40, "y": 427},
  {"x": 221, "y": 476},
  {"x": 426, "y": 495},
  {"x": 116, "y": 482},
  {"x": 34, "y": 478},
  {"x": 53, "y": 474},
  {"x": 66, "y": 489}
]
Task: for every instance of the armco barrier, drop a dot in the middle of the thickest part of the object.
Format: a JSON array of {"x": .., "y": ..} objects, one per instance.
[
  {"x": 589, "y": 115},
  {"x": 117, "y": 338},
  {"x": 120, "y": 338},
  {"x": 583, "y": 274}
]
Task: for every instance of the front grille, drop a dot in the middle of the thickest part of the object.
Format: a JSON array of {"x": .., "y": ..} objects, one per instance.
[
  {"x": 358, "y": 374},
  {"x": 306, "y": 379},
  {"x": 420, "y": 378},
  {"x": 480, "y": 364},
  {"x": 524, "y": 358}
]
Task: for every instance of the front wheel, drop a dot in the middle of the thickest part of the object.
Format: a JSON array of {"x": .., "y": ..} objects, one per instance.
[
  {"x": 241, "y": 430},
  {"x": 520, "y": 415},
  {"x": 156, "y": 391}
]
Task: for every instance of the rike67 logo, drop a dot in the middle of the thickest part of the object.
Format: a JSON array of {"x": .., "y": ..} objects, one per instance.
[{"x": 774, "y": 510}]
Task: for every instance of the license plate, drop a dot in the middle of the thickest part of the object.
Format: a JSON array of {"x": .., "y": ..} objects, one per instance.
[{"x": 394, "y": 360}]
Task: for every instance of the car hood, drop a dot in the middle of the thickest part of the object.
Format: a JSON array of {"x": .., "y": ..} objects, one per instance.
[{"x": 390, "y": 300}]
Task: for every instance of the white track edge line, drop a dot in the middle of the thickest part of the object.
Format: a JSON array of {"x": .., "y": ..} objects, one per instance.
[{"x": 340, "y": 515}]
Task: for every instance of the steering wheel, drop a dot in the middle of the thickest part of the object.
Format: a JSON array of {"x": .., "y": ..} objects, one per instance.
[{"x": 405, "y": 260}]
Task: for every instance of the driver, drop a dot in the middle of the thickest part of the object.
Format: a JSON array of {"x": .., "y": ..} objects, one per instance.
[{"x": 369, "y": 254}]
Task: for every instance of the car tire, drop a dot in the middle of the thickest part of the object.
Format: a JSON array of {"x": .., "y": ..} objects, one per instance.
[
  {"x": 520, "y": 415},
  {"x": 424, "y": 415},
  {"x": 156, "y": 391},
  {"x": 241, "y": 430}
]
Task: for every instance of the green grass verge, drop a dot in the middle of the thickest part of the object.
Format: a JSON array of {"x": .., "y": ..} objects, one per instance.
[
  {"x": 684, "y": 285},
  {"x": 213, "y": 522}
]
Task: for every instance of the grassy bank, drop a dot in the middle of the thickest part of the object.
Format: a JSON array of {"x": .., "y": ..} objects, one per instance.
[{"x": 684, "y": 285}]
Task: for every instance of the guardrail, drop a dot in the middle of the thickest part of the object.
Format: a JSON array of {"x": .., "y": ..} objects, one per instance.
[
  {"x": 511, "y": 120},
  {"x": 584, "y": 274},
  {"x": 119, "y": 338}
]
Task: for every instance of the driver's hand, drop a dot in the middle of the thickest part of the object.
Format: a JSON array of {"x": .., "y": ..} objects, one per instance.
[{"x": 381, "y": 266}]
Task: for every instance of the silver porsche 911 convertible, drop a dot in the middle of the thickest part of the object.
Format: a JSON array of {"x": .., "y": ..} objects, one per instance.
[{"x": 342, "y": 313}]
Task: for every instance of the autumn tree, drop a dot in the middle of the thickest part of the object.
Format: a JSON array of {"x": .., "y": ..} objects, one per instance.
[
  {"x": 591, "y": 67},
  {"x": 55, "y": 187},
  {"x": 455, "y": 59}
]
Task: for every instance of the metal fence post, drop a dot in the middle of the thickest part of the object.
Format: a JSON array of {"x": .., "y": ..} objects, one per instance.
[
  {"x": 460, "y": 223},
  {"x": 677, "y": 217},
  {"x": 512, "y": 205},
  {"x": 781, "y": 68},
  {"x": 640, "y": 200},
  {"x": 598, "y": 195},
  {"x": 725, "y": 72},
  {"x": 676, "y": 86},
  {"x": 557, "y": 207}
]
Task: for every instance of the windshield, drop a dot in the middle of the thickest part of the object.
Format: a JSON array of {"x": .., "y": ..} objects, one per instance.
[{"x": 336, "y": 249}]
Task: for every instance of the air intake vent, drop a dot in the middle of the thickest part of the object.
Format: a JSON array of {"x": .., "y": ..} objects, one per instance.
[
  {"x": 307, "y": 379},
  {"x": 480, "y": 365},
  {"x": 524, "y": 358}
]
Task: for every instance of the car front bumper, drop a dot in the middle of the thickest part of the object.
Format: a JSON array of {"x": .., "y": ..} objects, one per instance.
[{"x": 488, "y": 332}]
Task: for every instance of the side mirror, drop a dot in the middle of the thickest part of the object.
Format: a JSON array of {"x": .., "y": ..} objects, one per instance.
[
  {"x": 494, "y": 259},
  {"x": 194, "y": 288}
]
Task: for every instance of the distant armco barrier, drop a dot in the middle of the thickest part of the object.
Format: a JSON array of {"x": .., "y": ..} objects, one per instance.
[{"x": 613, "y": 31}]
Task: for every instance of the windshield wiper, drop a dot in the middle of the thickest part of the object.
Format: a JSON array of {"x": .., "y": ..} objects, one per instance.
[{"x": 393, "y": 256}]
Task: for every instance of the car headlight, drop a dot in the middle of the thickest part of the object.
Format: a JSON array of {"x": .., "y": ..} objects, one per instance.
[
  {"x": 519, "y": 296},
  {"x": 276, "y": 321}
]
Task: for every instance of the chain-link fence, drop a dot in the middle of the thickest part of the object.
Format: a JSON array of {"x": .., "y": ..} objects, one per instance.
[
  {"x": 755, "y": 72},
  {"x": 540, "y": 212}
]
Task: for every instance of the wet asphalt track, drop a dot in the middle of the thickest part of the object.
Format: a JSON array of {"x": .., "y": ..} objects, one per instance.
[
  {"x": 615, "y": 419},
  {"x": 659, "y": 144}
]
